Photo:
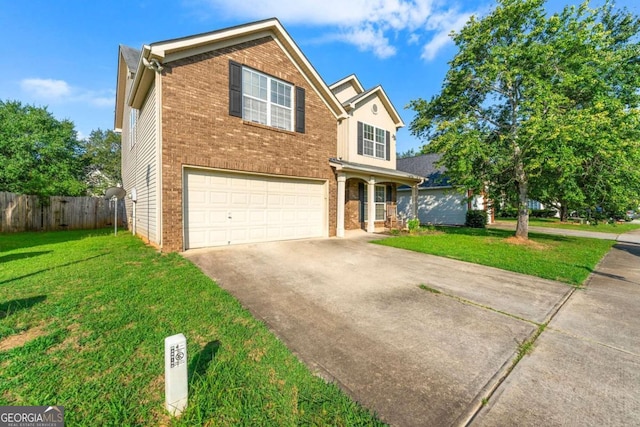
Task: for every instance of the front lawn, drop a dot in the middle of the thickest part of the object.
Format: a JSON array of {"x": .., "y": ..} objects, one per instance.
[
  {"x": 83, "y": 317},
  {"x": 566, "y": 259},
  {"x": 602, "y": 227}
]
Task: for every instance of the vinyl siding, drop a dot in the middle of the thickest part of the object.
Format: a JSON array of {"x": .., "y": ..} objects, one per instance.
[{"x": 140, "y": 169}]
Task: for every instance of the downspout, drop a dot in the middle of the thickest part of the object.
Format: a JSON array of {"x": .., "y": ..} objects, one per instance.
[{"x": 414, "y": 197}]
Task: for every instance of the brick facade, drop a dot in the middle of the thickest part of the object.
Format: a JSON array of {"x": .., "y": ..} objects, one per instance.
[
  {"x": 197, "y": 129},
  {"x": 352, "y": 205}
]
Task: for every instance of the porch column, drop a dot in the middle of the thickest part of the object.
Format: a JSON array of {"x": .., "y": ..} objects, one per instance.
[
  {"x": 342, "y": 179},
  {"x": 371, "y": 205},
  {"x": 414, "y": 201}
]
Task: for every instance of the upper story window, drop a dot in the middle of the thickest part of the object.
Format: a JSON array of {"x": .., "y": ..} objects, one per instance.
[
  {"x": 133, "y": 124},
  {"x": 266, "y": 100},
  {"x": 261, "y": 98},
  {"x": 375, "y": 141}
]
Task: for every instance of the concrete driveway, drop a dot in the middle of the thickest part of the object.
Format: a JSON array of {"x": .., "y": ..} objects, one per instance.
[{"x": 355, "y": 313}]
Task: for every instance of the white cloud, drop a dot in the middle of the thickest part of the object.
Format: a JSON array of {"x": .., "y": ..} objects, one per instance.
[
  {"x": 368, "y": 38},
  {"x": 443, "y": 26},
  {"x": 59, "y": 91},
  {"x": 46, "y": 88},
  {"x": 363, "y": 23}
]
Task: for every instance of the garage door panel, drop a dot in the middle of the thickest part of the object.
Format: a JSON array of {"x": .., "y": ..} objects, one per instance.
[
  {"x": 259, "y": 199},
  {"x": 198, "y": 216},
  {"x": 218, "y": 198},
  {"x": 257, "y": 217},
  {"x": 239, "y": 199},
  {"x": 240, "y": 208}
]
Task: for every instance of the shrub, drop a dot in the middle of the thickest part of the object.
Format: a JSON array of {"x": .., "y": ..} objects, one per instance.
[
  {"x": 413, "y": 224},
  {"x": 508, "y": 212},
  {"x": 542, "y": 213},
  {"x": 476, "y": 219}
]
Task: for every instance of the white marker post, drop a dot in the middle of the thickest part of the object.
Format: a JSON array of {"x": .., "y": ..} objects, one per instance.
[{"x": 175, "y": 374}]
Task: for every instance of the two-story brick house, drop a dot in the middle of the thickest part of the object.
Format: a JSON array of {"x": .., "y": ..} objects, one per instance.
[{"x": 233, "y": 137}]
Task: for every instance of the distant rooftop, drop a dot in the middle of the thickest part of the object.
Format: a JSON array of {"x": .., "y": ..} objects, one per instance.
[{"x": 425, "y": 166}]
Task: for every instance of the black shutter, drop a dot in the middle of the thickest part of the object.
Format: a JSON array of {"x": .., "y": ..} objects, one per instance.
[
  {"x": 389, "y": 193},
  {"x": 388, "y": 142},
  {"x": 361, "y": 198},
  {"x": 299, "y": 109},
  {"x": 360, "y": 137},
  {"x": 235, "y": 89}
]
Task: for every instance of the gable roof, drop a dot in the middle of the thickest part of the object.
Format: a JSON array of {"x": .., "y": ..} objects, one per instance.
[
  {"x": 377, "y": 91},
  {"x": 131, "y": 57},
  {"x": 128, "y": 59},
  {"x": 156, "y": 54},
  {"x": 350, "y": 79},
  {"x": 425, "y": 166}
]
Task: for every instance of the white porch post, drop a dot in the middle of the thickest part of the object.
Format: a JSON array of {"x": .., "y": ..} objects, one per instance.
[
  {"x": 414, "y": 201},
  {"x": 371, "y": 205},
  {"x": 342, "y": 179}
]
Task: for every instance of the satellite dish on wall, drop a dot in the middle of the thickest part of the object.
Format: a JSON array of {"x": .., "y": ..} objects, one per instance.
[{"x": 117, "y": 192}]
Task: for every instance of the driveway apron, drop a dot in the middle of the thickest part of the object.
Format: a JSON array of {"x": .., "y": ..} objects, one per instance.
[{"x": 418, "y": 339}]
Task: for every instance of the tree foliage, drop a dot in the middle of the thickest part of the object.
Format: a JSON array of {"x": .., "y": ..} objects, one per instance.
[
  {"x": 411, "y": 152},
  {"x": 39, "y": 155},
  {"x": 101, "y": 158},
  {"x": 537, "y": 106}
]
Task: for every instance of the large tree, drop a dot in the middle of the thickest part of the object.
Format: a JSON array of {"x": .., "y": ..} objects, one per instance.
[
  {"x": 542, "y": 106},
  {"x": 39, "y": 155},
  {"x": 101, "y": 156}
]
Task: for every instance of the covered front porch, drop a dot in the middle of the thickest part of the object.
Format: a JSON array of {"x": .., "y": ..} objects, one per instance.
[{"x": 358, "y": 184}]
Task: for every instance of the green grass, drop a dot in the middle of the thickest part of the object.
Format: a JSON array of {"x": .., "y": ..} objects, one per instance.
[
  {"x": 555, "y": 223},
  {"x": 96, "y": 309},
  {"x": 566, "y": 259}
]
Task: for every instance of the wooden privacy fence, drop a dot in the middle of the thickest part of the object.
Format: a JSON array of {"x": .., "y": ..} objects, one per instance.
[{"x": 29, "y": 213}]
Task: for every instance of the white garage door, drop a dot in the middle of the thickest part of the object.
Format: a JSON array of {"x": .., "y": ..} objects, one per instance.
[
  {"x": 436, "y": 206},
  {"x": 225, "y": 209}
]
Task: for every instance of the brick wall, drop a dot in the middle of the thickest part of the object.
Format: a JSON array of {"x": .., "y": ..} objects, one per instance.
[
  {"x": 198, "y": 131},
  {"x": 352, "y": 206}
]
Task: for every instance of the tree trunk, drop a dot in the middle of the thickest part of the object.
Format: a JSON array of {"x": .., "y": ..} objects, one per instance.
[
  {"x": 522, "y": 228},
  {"x": 564, "y": 212}
]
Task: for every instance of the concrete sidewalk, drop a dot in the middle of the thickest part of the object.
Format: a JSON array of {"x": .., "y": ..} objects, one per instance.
[{"x": 585, "y": 367}]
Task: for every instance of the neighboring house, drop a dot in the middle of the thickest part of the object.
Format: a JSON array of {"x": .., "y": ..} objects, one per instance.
[
  {"x": 232, "y": 137},
  {"x": 438, "y": 202}
]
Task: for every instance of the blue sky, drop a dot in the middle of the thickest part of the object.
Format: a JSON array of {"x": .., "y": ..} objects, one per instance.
[{"x": 63, "y": 54}]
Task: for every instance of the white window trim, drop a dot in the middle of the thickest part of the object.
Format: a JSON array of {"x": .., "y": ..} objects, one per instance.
[
  {"x": 133, "y": 125},
  {"x": 383, "y": 203},
  {"x": 374, "y": 142},
  {"x": 268, "y": 101}
]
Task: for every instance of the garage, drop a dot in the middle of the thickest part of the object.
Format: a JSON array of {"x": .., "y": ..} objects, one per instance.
[
  {"x": 435, "y": 206},
  {"x": 223, "y": 208}
]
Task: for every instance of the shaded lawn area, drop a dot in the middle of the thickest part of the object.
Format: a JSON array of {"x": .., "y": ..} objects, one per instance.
[
  {"x": 83, "y": 317},
  {"x": 566, "y": 259},
  {"x": 601, "y": 227}
]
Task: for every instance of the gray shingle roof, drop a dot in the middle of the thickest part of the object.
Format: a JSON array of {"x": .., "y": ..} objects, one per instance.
[
  {"x": 425, "y": 165},
  {"x": 131, "y": 57}
]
